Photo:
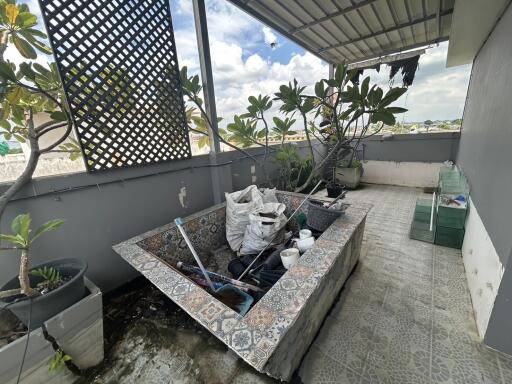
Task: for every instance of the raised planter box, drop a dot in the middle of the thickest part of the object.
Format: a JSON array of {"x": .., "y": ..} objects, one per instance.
[
  {"x": 78, "y": 330},
  {"x": 274, "y": 335}
]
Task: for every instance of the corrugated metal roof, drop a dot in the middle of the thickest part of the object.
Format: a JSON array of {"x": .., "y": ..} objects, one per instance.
[{"x": 355, "y": 30}]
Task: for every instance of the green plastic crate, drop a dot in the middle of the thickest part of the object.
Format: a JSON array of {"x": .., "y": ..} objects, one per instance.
[
  {"x": 451, "y": 217},
  {"x": 420, "y": 226},
  {"x": 449, "y": 237}
]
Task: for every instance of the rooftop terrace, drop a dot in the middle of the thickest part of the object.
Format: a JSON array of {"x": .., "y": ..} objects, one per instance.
[{"x": 404, "y": 316}]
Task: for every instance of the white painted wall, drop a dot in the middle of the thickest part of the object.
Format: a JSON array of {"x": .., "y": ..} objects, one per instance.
[
  {"x": 407, "y": 174},
  {"x": 483, "y": 268},
  {"x": 12, "y": 166}
]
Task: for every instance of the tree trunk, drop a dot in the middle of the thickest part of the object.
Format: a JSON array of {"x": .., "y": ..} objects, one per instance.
[
  {"x": 3, "y": 45},
  {"x": 26, "y": 176},
  {"x": 23, "y": 276},
  {"x": 309, "y": 139}
]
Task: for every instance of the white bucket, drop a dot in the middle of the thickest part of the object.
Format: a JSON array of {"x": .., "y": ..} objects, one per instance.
[{"x": 289, "y": 257}]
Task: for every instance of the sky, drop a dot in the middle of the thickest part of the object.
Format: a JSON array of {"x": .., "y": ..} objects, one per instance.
[{"x": 244, "y": 64}]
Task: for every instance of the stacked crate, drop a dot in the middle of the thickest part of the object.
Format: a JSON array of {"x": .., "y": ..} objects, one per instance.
[
  {"x": 450, "y": 211},
  {"x": 451, "y": 207}
]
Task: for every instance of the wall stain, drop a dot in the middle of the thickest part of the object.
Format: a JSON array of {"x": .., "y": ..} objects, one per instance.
[{"x": 182, "y": 196}]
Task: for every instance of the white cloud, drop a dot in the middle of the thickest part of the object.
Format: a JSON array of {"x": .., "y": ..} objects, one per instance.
[
  {"x": 184, "y": 7},
  {"x": 437, "y": 93},
  {"x": 269, "y": 36},
  {"x": 240, "y": 71}
]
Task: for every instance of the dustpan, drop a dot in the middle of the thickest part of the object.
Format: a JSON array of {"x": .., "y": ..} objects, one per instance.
[{"x": 248, "y": 299}]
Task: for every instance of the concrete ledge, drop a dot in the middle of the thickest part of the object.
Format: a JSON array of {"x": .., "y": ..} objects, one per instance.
[
  {"x": 405, "y": 174},
  {"x": 78, "y": 329}
]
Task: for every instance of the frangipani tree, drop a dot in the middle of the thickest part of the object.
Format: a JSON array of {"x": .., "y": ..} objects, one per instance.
[
  {"x": 29, "y": 88},
  {"x": 21, "y": 239},
  {"x": 348, "y": 110}
]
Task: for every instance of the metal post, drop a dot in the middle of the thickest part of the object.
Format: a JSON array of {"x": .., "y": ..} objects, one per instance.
[
  {"x": 203, "y": 45},
  {"x": 205, "y": 62},
  {"x": 332, "y": 68}
]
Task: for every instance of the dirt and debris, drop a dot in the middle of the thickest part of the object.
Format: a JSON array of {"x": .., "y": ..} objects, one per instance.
[
  {"x": 10, "y": 328},
  {"x": 150, "y": 339}
]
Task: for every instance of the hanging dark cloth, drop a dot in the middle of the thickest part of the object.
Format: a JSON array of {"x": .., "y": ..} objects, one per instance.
[
  {"x": 408, "y": 68},
  {"x": 355, "y": 79}
]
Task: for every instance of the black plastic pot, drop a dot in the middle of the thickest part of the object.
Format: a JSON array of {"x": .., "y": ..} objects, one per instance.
[
  {"x": 334, "y": 190},
  {"x": 52, "y": 303}
]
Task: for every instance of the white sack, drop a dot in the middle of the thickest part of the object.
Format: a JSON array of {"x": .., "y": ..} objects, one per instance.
[
  {"x": 269, "y": 195},
  {"x": 261, "y": 230},
  {"x": 238, "y": 207}
]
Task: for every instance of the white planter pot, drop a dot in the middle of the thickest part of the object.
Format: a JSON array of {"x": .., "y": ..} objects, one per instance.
[
  {"x": 350, "y": 177},
  {"x": 78, "y": 330}
]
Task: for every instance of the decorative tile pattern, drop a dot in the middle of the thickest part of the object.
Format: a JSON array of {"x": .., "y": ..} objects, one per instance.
[{"x": 256, "y": 336}]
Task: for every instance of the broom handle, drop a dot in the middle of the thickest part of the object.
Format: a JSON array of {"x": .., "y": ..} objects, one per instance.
[
  {"x": 277, "y": 232},
  {"x": 179, "y": 224}
]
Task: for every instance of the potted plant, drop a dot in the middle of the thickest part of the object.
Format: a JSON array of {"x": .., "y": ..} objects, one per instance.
[
  {"x": 40, "y": 293},
  {"x": 29, "y": 89},
  {"x": 333, "y": 185},
  {"x": 349, "y": 173}
]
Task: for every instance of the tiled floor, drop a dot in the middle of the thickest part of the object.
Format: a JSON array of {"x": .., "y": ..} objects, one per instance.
[{"x": 405, "y": 315}]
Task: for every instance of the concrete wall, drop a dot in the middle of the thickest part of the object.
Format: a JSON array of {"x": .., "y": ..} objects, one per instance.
[
  {"x": 485, "y": 156},
  {"x": 103, "y": 209},
  {"x": 411, "y": 160},
  {"x": 484, "y": 152},
  {"x": 422, "y": 147}
]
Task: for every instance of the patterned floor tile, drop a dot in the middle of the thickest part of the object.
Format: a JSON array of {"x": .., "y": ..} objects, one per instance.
[
  {"x": 411, "y": 299},
  {"x": 320, "y": 368},
  {"x": 347, "y": 344}
]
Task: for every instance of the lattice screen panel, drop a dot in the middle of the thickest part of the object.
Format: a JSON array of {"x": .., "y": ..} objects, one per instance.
[{"x": 118, "y": 63}]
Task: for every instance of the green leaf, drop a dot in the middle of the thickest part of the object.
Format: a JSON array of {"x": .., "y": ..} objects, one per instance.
[
  {"x": 365, "y": 86},
  {"x": 24, "y": 47},
  {"x": 27, "y": 71},
  {"x": 386, "y": 118},
  {"x": 392, "y": 95},
  {"x": 46, "y": 227},
  {"x": 253, "y": 100},
  {"x": 6, "y": 111},
  {"x": 6, "y": 71},
  {"x": 14, "y": 95},
  {"x": 12, "y": 239},
  {"x": 35, "y": 32},
  {"x": 21, "y": 226},
  {"x": 319, "y": 89},
  {"x": 26, "y": 20},
  {"x": 339, "y": 74},
  {"x": 36, "y": 43},
  {"x": 59, "y": 116},
  {"x": 396, "y": 110}
]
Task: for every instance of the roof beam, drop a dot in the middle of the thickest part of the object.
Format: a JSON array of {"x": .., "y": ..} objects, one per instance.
[
  {"x": 333, "y": 15},
  {"x": 439, "y": 6},
  {"x": 395, "y": 20},
  {"x": 401, "y": 49},
  {"x": 387, "y": 30},
  {"x": 409, "y": 18},
  {"x": 386, "y": 59}
]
